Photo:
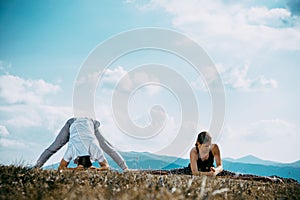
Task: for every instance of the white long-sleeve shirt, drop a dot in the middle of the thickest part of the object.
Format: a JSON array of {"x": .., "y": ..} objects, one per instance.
[
  {"x": 63, "y": 137},
  {"x": 82, "y": 141}
]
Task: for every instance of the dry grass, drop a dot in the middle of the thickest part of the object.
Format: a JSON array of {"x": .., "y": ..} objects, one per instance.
[{"x": 23, "y": 183}]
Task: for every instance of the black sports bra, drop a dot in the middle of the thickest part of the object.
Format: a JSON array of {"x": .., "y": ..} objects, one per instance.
[{"x": 205, "y": 165}]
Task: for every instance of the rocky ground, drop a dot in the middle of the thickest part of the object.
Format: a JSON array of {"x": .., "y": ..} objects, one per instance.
[{"x": 23, "y": 183}]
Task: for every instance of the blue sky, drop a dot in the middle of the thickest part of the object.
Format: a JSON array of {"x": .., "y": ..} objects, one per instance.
[{"x": 255, "y": 46}]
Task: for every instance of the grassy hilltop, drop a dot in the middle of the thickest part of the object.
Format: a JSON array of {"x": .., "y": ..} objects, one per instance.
[{"x": 22, "y": 183}]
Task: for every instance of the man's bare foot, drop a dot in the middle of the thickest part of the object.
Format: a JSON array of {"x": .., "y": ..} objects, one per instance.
[
  {"x": 104, "y": 168},
  {"x": 79, "y": 167}
]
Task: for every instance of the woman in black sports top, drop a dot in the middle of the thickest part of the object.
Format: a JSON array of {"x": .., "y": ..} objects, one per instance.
[{"x": 202, "y": 156}]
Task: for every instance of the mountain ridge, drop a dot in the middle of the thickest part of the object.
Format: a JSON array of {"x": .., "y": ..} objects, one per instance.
[{"x": 250, "y": 159}]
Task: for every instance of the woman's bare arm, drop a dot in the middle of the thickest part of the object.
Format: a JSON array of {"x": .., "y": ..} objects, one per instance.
[
  {"x": 193, "y": 161},
  {"x": 218, "y": 159}
]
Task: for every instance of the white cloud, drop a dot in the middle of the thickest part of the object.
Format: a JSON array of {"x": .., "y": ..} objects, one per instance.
[
  {"x": 153, "y": 89},
  {"x": 89, "y": 78},
  {"x": 3, "y": 131},
  {"x": 273, "y": 139},
  {"x": 199, "y": 84},
  {"x": 22, "y": 115},
  {"x": 113, "y": 76},
  {"x": 129, "y": 1},
  {"x": 25, "y": 111},
  {"x": 10, "y": 143},
  {"x": 238, "y": 78},
  {"x": 25, "y": 103},
  {"x": 110, "y": 77},
  {"x": 130, "y": 81},
  {"x": 55, "y": 116},
  {"x": 277, "y": 17},
  {"x": 7, "y": 142},
  {"x": 35, "y": 127},
  {"x": 267, "y": 130},
  {"x": 216, "y": 24},
  {"x": 35, "y": 115},
  {"x": 14, "y": 89}
]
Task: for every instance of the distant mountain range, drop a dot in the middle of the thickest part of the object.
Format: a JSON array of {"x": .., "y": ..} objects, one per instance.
[
  {"x": 249, "y": 159},
  {"x": 245, "y": 165}
]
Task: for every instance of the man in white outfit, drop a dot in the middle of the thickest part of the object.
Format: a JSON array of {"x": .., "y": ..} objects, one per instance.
[
  {"x": 82, "y": 147},
  {"x": 64, "y": 136}
]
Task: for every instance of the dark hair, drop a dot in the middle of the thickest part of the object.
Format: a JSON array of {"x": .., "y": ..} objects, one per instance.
[
  {"x": 84, "y": 161},
  {"x": 203, "y": 137}
]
